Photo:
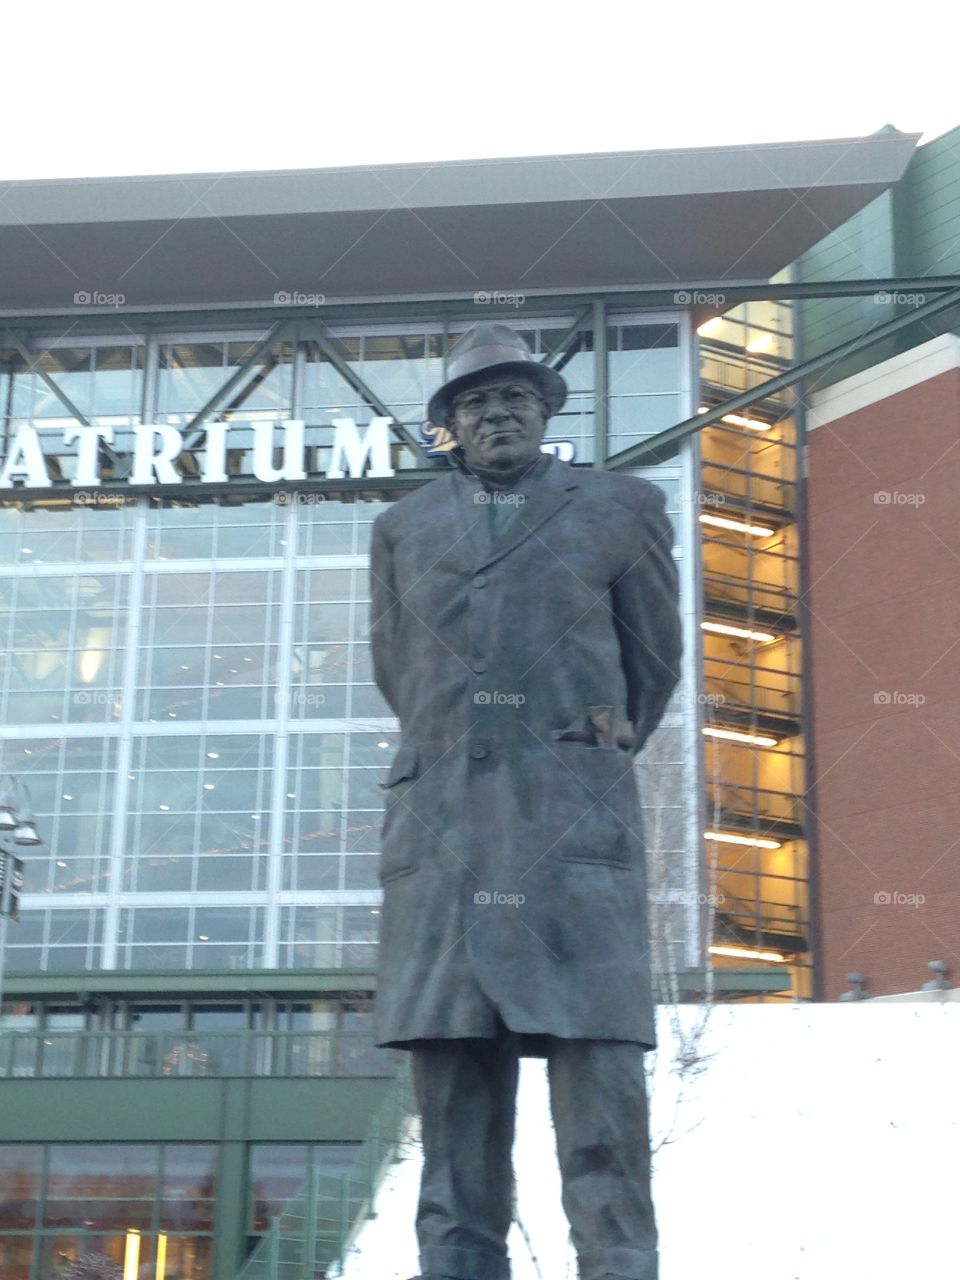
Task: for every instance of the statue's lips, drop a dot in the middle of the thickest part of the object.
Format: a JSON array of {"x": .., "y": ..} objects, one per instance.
[{"x": 503, "y": 434}]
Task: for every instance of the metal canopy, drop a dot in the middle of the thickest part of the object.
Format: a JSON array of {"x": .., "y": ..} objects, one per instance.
[{"x": 621, "y": 220}]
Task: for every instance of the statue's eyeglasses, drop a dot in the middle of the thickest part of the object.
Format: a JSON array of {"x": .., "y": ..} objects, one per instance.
[{"x": 515, "y": 397}]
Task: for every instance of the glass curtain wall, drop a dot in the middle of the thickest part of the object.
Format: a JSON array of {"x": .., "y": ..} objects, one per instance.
[{"x": 185, "y": 683}]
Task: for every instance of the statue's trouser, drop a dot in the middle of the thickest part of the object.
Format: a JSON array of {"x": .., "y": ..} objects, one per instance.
[{"x": 466, "y": 1091}]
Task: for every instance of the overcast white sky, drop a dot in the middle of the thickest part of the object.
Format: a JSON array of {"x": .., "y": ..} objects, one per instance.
[{"x": 103, "y": 88}]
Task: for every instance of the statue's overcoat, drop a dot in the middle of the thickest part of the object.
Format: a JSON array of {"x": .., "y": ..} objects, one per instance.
[{"x": 513, "y": 862}]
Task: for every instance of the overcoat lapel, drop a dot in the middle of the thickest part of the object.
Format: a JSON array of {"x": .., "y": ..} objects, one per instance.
[{"x": 543, "y": 497}]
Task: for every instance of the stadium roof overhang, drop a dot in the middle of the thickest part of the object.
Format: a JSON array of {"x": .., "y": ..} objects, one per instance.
[{"x": 619, "y": 221}]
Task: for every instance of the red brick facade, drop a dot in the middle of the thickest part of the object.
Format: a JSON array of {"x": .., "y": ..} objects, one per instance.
[{"x": 884, "y": 669}]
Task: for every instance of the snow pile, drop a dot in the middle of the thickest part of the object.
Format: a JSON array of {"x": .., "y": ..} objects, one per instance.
[{"x": 802, "y": 1142}]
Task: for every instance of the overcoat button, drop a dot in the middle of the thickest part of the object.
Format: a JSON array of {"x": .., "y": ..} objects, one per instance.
[
  {"x": 479, "y": 752},
  {"x": 479, "y": 581},
  {"x": 479, "y": 665}
]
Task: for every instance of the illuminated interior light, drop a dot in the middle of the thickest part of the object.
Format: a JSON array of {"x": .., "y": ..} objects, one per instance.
[
  {"x": 744, "y": 633},
  {"x": 710, "y": 326},
  {"x": 762, "y": 342},
  {"x": 213, "y": 755},
  {"x": 752, "y": 842},
  {"x": 165, "y": 807},
  {"x": 203, "y": 937},
  {"x": 161, "y": 1256},
  {"x": 733, "y": 735},
  {"x": 383, "y": 744},
  {"x": 131, "y": 1255},
  {"x": 703, "y": 409},
  {"x": 208, "y": 786},
  {"x": 747, "y": 953},
  {"x": 721, "y": 522},
  {"x": 754, "y": 424}
]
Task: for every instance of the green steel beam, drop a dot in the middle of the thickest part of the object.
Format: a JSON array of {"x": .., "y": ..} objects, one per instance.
[
  {"x": 665, "y": 444},
  {"x": 186, "y": 983},
  {"x": 275, "y": 334},
  {"x": 560, "y": 348},
  {"x": 601, "y": 378},
  {"x": 17, "y": 340},
  {"x": 693, "y": 982},
  {"x": 654, "y": 296},
  {"x": 353, "y": 379}
]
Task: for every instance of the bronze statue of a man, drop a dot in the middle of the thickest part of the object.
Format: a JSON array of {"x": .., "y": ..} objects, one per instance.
[{"x": 526, "y": 633}]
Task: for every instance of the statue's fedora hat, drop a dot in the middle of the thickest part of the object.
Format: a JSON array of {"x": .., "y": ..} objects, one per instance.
[{"x": 493, "y": 348}]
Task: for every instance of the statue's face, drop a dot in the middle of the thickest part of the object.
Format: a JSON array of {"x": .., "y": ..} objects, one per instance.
[{"x": 499, "y": 421}]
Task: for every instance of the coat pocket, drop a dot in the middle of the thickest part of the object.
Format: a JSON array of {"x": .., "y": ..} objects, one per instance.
[
  {"x": 397, "y": 843},
  {"x": 405, "y": 764},
  {"x": 602, "y": 812}
]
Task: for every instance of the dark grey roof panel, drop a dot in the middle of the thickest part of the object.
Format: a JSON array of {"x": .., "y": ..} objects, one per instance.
[{"x": 547, "y": 223}]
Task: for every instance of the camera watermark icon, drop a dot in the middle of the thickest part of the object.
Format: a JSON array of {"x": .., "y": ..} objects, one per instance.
[
  {"x": 707, "y": 499},
  {"x": 298, "y": 499},
  {"x": 300, "y": 698},
  {"x": 484, "y": 899},
  {"x": 97, "y": 298},
  {"x": 885, "y": 898},
  {"x": 95, "y": 698},
  {"x": 690, "y": 898},
  {"x": 494, "y": 698},
  {"x": 897, "y": 299},
  {"x": 897, "y": 698},
  {"x": 93, "y": 498},
  {"x": 498, "y": 298},
  {"x": 894, "y": 498},
  {"x": 297, "y": 298},
  {"x": 701, "y": 699},
  {"x": 698, "y": 298},
  {"x": 497, "y": 496}
]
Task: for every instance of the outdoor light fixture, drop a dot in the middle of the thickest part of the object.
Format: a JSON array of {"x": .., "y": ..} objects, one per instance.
[
  {"x": 733, "y": 735},
  {"x": 131, "y": 1255},
  {"x": 16, "y": 812},
  {"x": 161, "y": 1255},
  {"x": 740, "y": 526},
  {"x": 752, "y": 842},
  {"x": 742, "y": 633},
  {"x": 747, "y": 953},
  {"x": 752, "y": 424}
]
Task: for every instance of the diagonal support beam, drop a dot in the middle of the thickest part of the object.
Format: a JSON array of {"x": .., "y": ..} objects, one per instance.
[
  {"x": 665, "y": 444},
  {"x": 582, "y": 321},
  {"x": 353, "y": 379},
  {"x": 195, "y": 424},
  {"x": 106, "y": 453}
]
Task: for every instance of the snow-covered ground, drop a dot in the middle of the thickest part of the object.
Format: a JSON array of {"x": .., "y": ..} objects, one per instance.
[{"x": 817, "y": 1142}]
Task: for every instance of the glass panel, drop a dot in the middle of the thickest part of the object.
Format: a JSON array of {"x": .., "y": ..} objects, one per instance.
[
  {"x": 106, "y": 1187},
  {"x": 20, "y": 1167},
  {"x": 189, "y": 1188}
]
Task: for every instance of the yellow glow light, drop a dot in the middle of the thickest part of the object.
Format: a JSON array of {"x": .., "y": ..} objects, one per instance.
[
  {"x": 757, "y": 530},
  {"x": 710, "y": 326},
  {"x": 723, "y": 629},
  {"x": 752, "y": 842},
  {"x": 755, "y": 739},
  {"x": 753, "y": 424},
  {"x": 746, "y": 953},
  {"x": 161, "y": 1256},
  {"x": 131, "y": 1255},
  {"x": 762, "y": 342}
]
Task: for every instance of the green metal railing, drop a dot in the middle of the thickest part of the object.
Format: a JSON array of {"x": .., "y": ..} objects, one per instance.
[
  {"x": 315, "y": 1230},
  {"x": 185, "y": 1054}
]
